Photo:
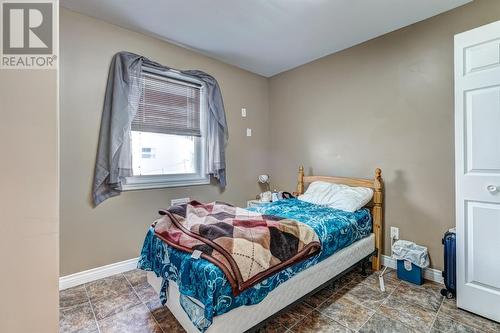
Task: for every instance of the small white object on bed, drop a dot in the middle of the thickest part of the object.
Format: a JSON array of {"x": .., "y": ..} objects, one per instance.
[{"x": 337, "y": 196}]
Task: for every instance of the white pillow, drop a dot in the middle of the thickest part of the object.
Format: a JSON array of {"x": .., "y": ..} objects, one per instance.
[{"x": 337, "y": 196}]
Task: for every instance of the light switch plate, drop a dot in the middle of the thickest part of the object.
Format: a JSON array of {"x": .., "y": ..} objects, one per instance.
[
  {"x": 244, "y": 112},
  {"x": 249, "y": 132}
]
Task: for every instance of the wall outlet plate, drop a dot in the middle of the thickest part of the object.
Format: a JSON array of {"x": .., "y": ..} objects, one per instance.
[
  {"x": 394, "y": 233},
  {"x": 249, "y": 132},
  {"x": 179, "y": 201},
  {"x": 243, "y": 112}
]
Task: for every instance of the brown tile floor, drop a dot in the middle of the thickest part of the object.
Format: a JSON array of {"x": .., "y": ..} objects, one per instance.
[{"x": 126, "y": 303}]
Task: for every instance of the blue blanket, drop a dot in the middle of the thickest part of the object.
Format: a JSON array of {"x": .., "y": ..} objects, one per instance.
[{"x": 205, "y": 282}]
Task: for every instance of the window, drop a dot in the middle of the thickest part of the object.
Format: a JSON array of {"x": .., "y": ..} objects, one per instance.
[{"x": 167, "y": 132}]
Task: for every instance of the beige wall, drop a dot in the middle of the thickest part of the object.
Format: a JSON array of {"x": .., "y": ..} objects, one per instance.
[
  {"x": 29, "y": 202},
  {"x": 114, "y": 231},
  {"x": 386, "y": 103}
]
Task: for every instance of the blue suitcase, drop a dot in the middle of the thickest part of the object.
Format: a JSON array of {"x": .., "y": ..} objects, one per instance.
[{"x": 450, "y": 268}]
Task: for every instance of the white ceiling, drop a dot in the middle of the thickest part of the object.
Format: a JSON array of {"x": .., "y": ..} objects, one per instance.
[{"x": 264, "y": 36}]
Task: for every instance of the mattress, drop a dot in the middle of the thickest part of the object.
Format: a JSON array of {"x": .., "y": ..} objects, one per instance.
[
  {"x": 245, "y": 317},
  {"x": 200, "y": 282}
]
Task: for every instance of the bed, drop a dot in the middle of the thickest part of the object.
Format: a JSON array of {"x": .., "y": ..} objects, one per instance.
[{"x": 198, "y": 295}]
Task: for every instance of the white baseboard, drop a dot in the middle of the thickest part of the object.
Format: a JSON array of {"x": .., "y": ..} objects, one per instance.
[
  {"x": 429, "y": 273},
  {"x": 97, "y": 273}
]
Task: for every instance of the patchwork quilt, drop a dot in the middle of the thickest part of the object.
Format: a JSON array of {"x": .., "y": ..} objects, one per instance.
[{"x": 247, "y": 246}]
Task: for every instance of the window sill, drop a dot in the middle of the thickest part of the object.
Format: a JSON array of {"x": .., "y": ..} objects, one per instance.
[{"x": 155, "y": 182}]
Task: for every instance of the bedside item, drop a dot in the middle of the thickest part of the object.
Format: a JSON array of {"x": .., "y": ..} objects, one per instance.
[
  {"x": 264, "y": 179},
  {"x": 282, "y": 195},
  {"x": 450, "y": 262},
  {"x": 265, "y": 196},
  {"x": 412, "y": 259}
]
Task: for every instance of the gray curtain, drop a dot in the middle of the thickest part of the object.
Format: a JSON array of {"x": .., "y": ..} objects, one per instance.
[
  {"x": 123, "y": 93},
  {"x": 217, "y": 133}
]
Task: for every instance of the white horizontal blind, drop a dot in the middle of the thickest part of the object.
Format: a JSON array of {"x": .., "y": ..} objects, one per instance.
[{"x": 168, "y": 106}]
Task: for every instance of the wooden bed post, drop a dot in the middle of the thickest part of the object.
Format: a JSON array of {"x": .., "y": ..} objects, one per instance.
[
  {"x": 377, "y": 218},
  {"x": 300, "y": 181}
]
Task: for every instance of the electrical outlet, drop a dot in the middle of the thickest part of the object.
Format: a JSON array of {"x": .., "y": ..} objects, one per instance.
[
  {"x": 249, "y": 132},
  {"x": 179, "y": 201},
  {"x": 394, "y": 233},
  {"x": 243, "y": 112}
]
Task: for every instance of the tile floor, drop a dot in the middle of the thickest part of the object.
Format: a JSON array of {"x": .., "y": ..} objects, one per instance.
[{"x": 126, "y": 303}]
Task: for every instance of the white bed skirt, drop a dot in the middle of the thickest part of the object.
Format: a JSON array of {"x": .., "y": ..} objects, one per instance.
[{"x": 245, "y": 317}]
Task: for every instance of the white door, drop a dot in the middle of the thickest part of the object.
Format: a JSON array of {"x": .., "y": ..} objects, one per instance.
[{"x": 477, "y": 153}]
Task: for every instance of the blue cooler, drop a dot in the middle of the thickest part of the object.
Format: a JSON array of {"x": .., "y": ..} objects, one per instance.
[
  {"x": 410, "y": 272},
  {"x": 412, "y": 259}
]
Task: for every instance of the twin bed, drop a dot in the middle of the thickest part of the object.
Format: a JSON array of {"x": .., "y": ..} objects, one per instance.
[{"x": 199, "y": 295}]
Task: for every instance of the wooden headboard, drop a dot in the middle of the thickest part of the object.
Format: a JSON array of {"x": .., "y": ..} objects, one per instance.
[{"x": 376, "y": 204}]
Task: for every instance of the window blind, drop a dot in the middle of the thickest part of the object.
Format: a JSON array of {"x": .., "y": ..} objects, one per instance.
[{"x": 168, "y": 106}]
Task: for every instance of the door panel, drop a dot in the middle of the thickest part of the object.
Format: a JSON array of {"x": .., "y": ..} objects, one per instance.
[
  {"x": 482, "y": 129},
  {"x": 482, "y": 56},
  {"x": 482, "y": 228}
]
